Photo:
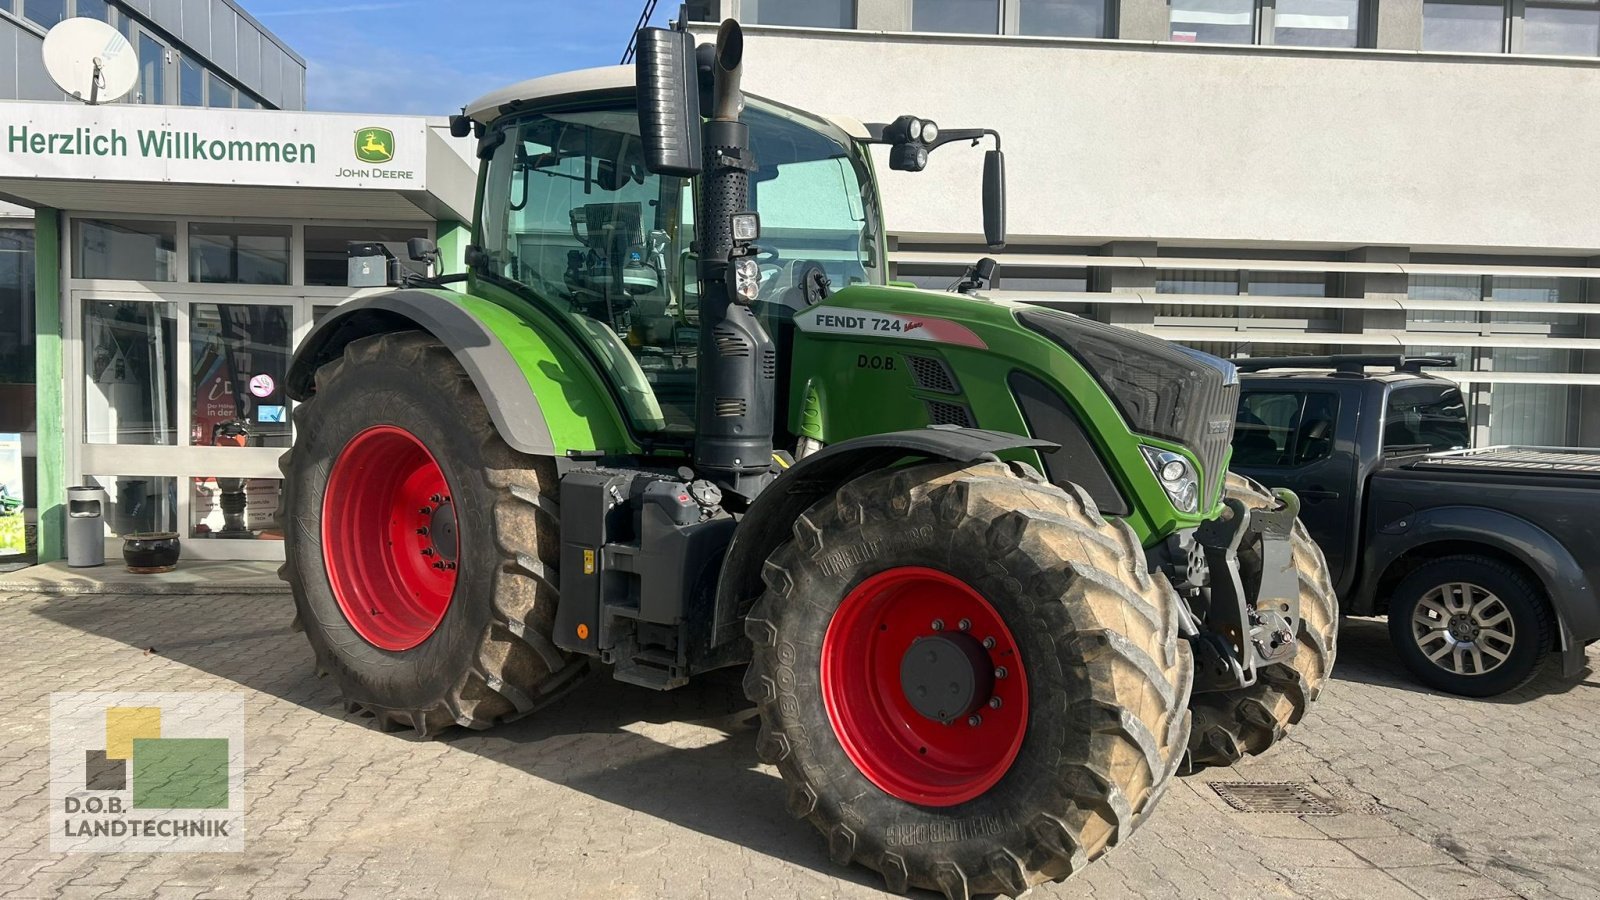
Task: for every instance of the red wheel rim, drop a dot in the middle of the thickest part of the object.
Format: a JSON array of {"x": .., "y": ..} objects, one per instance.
[
  {"x": 389, "y": 537},
  {"x": 865, "y": 686}
]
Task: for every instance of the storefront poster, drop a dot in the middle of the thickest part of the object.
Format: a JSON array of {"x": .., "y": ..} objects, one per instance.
[{"x": 13, "y": 533}]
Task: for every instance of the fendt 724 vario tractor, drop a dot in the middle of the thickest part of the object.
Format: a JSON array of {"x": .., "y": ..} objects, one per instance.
[{"x": 983, "y": 560}]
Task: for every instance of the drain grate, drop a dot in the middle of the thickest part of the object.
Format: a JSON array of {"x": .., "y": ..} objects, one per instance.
[{"x": 1290, "y": 797}]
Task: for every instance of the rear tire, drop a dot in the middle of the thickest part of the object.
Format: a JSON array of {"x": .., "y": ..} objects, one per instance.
[
  {"x": 1092, "y": 632},
  {"x": 1500, "y": 612},
  {"x": 1230, "y": 725},
  {"x": 487, "y": 656}
]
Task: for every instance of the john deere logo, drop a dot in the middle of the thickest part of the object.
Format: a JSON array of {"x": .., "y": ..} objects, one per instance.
[{"x": 375, "y": 145}]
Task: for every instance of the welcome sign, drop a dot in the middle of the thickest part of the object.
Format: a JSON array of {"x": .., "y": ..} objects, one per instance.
[{"x": 125, "y": 142}]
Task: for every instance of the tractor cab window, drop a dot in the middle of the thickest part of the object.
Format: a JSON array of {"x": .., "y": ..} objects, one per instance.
[{"x": 571, "y": 213}]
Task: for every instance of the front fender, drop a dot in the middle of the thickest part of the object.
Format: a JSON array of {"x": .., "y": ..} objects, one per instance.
[
  {"x": 509, "y": 361},
  {"x": 1571, "y": 594},
  {"x": 771, "y": 517}
]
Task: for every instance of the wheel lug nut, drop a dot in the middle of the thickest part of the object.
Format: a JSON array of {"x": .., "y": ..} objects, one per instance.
[
  {"x": 964, "y": 624},
  {"x": 427, "y": 551},
  {"x": 938, "y": 624},
  {"x": 994, "y": 702},
  {"x": 988, "y": 643},
  {"x": 423, "y": 531},
  {"x": 438, "y": 565},
  {"x": 425, "y": 511},
  {"x": 1000, "y": 672},
  {"x": 437, "y": 498},
  {"x": 974, "y": 720}
]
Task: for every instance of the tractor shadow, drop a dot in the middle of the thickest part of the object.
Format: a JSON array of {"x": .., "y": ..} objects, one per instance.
[
  {"x": 1367, "y": 656},
  {"x": 686, "y": 756}
]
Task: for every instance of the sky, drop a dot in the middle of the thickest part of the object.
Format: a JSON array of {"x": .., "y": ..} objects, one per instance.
[{"x": 426, "y": 57}]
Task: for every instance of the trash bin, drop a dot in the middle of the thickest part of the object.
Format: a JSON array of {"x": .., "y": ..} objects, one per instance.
[{"x": 86, "y": 526}]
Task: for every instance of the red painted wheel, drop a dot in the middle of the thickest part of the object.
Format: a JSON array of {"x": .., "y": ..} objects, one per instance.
[
  {"x": 389, "y": 537},
  {"x": 924, "y": 686}
]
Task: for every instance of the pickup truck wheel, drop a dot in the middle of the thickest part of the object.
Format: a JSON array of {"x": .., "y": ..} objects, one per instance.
[
  {"x": 1229, "y": 725},
  {"x": 1470, "y": 625},
  {"x": 968, "y": 679}
]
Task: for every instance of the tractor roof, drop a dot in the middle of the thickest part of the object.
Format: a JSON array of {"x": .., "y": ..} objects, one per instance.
[
  {"x": 604, "y": 79},
  {"x": 490, "y": 106}
]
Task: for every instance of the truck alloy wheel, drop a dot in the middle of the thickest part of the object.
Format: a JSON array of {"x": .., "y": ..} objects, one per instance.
[
  {"x": 1470, "y": 625},
  {"x": 968, "y": 679}
]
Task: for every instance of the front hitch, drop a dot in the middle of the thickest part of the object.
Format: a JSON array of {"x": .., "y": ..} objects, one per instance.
[{"x": 1246, "y": 623}]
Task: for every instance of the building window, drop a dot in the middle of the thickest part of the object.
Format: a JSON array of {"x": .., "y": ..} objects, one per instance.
[
  {"x": 191, "y": 83},
  {"x": 125, "y": 250},
  {"x": 248, "y": 102},
  {"x": 17, "y": 328},
  {"x": 1063, "y": 18},
  {"x": 1285, "y": 23},
  {"x": 219, "y": 93},
  {"x": 130, "y": 380},
  {"x": 238, "y": 254},
  {"x": 45, "y": 12},
  {"x": 1561, "y": 29},
  {"x": 1464, "y": 26},
  {"x": 94, "y": 9},
  {"x": 1542, "y": 27},
  {"x": 960, "y": 16},
  {"x": 239, "y": 358},
  {"x": 328, "y": 250},
  {"x": 801, "y": 13},
  {"x": 152, "y": 70}
]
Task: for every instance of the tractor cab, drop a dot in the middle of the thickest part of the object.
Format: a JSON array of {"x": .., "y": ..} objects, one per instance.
[{"x": 571, "y": 215}]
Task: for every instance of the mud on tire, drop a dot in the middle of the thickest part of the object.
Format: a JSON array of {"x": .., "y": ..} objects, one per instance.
[
  {"x": 1233, "y": 724},
  {"x": 1108, "y": 676},
  {"x": 490, "y": 658}
]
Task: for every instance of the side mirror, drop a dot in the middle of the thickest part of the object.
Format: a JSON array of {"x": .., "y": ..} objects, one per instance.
[
  {"x": 422, "y": 250},
  {"x": 669, "y": 102},
  {"x": 460, "y": 126},
  {"x": 994, "y": 199}
]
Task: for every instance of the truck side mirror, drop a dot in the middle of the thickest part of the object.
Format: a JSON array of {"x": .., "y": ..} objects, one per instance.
[
  {"x": 994, "y": 199},
  {"x": 669, "y": 102},
  {"x": 422, "y": 250}
]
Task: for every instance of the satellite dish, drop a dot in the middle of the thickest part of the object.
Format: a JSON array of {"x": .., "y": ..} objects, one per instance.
[{"x": 90, "y": 60}]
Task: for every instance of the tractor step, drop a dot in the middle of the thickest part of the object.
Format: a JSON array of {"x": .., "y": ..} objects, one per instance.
[{"x": 653, "y": 668}]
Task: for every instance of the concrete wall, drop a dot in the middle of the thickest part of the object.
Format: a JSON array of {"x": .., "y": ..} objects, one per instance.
[{"x": 1112, "y": 140}]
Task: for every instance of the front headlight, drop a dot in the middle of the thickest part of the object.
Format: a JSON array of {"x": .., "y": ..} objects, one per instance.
[
  {"x": 1176, "y": 475},
  {"x": 746, "y": 280}
]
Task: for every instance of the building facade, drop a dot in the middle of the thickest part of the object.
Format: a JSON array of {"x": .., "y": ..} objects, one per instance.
[
  {"x": 1251, "y": 177},
  {"x": 162, "y": 256}
]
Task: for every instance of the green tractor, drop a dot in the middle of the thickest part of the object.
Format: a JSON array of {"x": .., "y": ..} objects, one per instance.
[{"x": 983, "y": 561}]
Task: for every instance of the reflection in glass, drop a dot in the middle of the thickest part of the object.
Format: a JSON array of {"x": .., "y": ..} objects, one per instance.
[
  {"x": 221, "y": 95},
  {"x": 152, "y": 70},
  {"x": 1316, "y": 23},
  {"x": 125, "y": 249},
  {"x": 44, "y": 12},
  {"x": 17, "y": 328},
  {"x": 1467, "y": 26},
  {"x": 960, "y": 16},
  {"x": 238, "y": 254},
  {"x": 139, "y": 503},
  {"x": 1213, "y": 21},
  {"x": 239, "y": 356},
  {"x": 1561, "y": 30},
  {"x": 191, "y": 83},
  {"x": 94, "y": 9},
  {"x": 130, "y": 392},
  {"x": 235, "y": 508},
  {"x": 1063, "y": 18}
]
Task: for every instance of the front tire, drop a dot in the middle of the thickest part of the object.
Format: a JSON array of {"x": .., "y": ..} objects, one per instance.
[
  {"x": 419, "y": 546},
  {"x": 949, "y": 569},
  {"x": 1471, "y": 626},
  {"x": 1229, "y": 725}
]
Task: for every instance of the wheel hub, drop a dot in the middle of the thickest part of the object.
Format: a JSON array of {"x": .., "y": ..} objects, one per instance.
[
  {"x": 390, "y": 539},
  {"x": 946, "y": 678},
  {"x": 925, "y": 686},
  {"x": 1463, "y": 628}
]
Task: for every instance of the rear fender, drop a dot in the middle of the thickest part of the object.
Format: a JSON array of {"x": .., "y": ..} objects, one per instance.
[
  {"x": 770, "y": 519},
  {"x": 511, "y": 363}
]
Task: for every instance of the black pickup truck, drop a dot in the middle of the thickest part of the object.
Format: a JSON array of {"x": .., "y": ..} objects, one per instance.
[{"x": 1485, "y": 561}]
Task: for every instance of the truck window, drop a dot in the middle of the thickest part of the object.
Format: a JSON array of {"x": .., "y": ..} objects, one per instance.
[
  {"x": 1284, "y": 428},
  {"x": 1426, "y": 418}
]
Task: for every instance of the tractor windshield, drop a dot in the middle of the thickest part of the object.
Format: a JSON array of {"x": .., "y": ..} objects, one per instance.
[{"x": 570, "y": 213}]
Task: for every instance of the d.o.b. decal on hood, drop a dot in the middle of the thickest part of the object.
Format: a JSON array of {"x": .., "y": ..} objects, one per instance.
[{"x": 833, "y": 320}]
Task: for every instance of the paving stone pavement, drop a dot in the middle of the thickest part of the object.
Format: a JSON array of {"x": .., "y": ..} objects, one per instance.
[{"x": 619, "y": 792}]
